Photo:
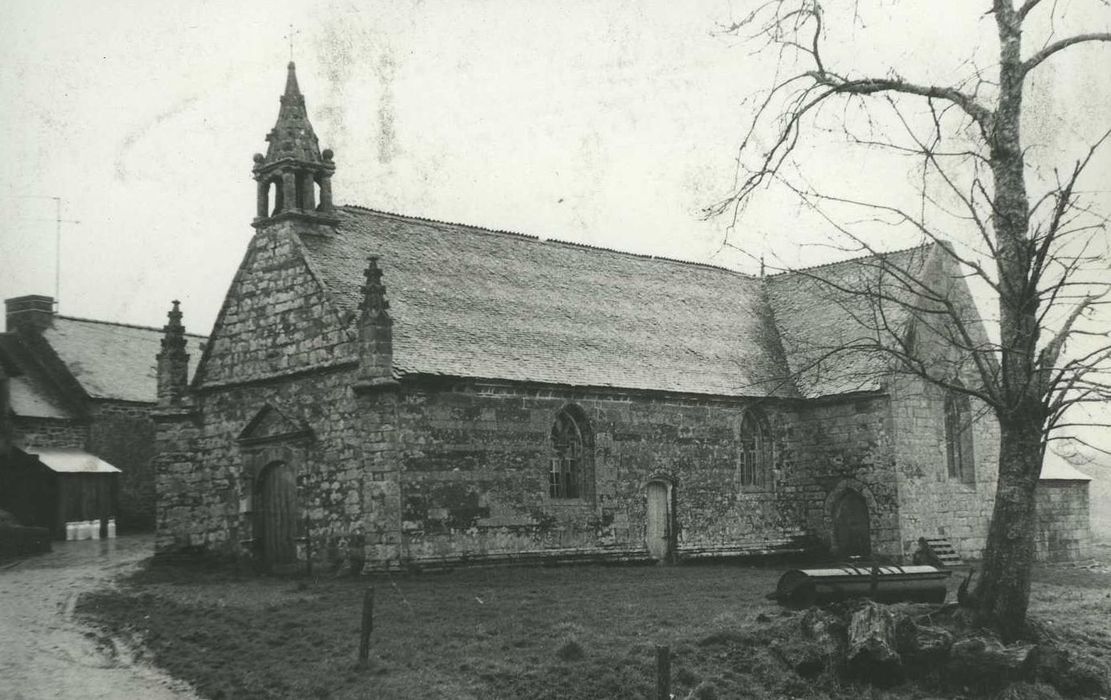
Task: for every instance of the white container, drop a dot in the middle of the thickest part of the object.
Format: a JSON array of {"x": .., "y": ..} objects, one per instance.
[
  {"x": 71, "y": 531},
  {"x": 111, "y": 528},
  {"x": 84, "y": 530},
  {"x": 94, "y": 529}
]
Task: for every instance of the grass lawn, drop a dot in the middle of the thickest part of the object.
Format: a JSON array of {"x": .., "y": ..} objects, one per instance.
[{"x": 568, "y": 632}]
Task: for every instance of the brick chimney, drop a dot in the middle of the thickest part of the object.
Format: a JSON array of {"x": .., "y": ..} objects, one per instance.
[{"x": 31, "y": 313}]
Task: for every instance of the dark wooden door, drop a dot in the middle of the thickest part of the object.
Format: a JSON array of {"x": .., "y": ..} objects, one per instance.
[
  {"x": 851, "y": 530},
  {"x": 278, "y": 517},
  {"x": 658, "y": 531}
]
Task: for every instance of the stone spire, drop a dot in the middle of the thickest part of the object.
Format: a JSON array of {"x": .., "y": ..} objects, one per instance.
[
  {"x": 375, "y": 331},
  {"x": 294, "y": 168},
  {"x": 173, "y": 361}
]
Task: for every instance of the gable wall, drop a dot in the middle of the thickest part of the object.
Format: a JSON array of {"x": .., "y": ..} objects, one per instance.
[{"x": 276, "y": 318}]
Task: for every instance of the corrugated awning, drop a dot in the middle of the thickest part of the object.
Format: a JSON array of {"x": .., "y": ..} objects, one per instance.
[{"x": 73, "y": 461}]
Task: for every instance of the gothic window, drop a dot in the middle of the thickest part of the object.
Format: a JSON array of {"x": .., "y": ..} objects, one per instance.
[
  {"x": 958, "y": 437},
  {"x": 570, "y": 456},
  {"x": 755, "y": 451}
]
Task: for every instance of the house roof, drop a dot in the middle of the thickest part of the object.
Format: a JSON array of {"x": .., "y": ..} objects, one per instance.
[
  {"x": 821, "y": 313},
  {"x": 31, "y": 395},
  {"x": 67, "y": 460},
  {"x": 111, "y": 360},
  {"x": 476, "y": 303}
]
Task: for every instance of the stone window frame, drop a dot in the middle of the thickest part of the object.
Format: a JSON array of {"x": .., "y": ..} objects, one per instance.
[
  {"x": 755, "y": 452},
  {"x": 571, "y": 457},
  {"x": 960, "y": 459}
]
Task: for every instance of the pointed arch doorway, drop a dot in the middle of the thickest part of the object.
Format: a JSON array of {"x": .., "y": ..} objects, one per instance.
[
  {"x": 852, "y": 534},
  {"x": 277, "y": 516}
]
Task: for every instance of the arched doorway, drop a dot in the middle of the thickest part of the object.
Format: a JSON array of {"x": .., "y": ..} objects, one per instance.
[
  {"x": 659, "y": 527},
  {"x": 277, "y": 515},
  {"x": 852, "y": 534}
]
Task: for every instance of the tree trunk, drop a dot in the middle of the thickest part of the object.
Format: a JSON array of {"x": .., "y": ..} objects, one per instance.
[{"x": 1003, "y": 591}]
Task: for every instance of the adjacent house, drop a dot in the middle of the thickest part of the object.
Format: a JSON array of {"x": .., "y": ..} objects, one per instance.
[{"x": 79, "y": 393}]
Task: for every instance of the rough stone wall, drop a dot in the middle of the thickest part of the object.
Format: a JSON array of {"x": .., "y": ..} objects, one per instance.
[
  {"x": 847, "y": 444},
  {"x": 47, "y": 432},
  {"x": 123, "y": 434},
  {"x": 212, "y": 500},
  {"x": 459, "y": 472},
  {"x": 1063, "y": 530},
  {"x": 275, "y": 319},
  {"x": 475, "y": 464},
  {"x": 931, "y": 503}
]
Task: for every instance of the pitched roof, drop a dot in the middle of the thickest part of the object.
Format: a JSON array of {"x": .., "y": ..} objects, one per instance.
[
  {"x": 112, "y": 360},
  {"x": 476, "y": 303},
  {"x": 821, "y": 311},
  {"x": 30, "y": 394}
]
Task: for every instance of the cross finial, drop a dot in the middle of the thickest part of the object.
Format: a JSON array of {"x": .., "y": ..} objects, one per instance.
[{"x": 290, "y": 36}]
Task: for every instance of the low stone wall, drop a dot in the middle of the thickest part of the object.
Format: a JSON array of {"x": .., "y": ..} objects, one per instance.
[{"x": 1063, "y": 530}]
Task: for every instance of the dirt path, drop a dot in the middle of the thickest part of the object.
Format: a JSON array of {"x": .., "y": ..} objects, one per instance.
[{"x": 46, "y": 653}]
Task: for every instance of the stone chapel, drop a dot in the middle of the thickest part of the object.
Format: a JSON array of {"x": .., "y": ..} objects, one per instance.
[{"x": 384, "y": 391}]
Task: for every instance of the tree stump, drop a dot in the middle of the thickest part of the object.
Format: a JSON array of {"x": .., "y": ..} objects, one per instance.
[
  {"x": 982, "y": 660},
  {"x": 873, "y": 653}
]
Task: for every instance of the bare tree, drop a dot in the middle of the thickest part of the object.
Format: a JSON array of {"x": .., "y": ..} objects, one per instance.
[{"x": 1043, "y": 259}]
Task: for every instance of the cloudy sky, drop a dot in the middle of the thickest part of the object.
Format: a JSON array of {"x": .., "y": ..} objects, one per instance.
[{"x": 613, "y": 124}]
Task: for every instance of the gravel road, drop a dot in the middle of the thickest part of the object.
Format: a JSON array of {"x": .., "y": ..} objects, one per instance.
[{"x": 46, "y": 653}]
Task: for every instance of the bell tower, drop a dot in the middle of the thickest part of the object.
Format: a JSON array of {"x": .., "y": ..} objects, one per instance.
[{"x": 294, "y": 178}]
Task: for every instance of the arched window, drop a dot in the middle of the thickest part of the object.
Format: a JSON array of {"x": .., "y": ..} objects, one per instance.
[
  {"x": 958, "y": 436},
  {"x": 755, "y": 451},
  {"x": 569, "y": 474}
]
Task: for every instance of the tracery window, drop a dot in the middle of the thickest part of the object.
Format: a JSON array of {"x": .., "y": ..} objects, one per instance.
[
  {"x": 755, "y": 451},
  {"x": 565, "y": 478},
  {"x": 958, "y": 437}
]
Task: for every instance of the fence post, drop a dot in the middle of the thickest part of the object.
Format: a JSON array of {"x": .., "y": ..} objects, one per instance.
[
  {"x": 368, "y": 625},
  {"x": 663, "y": 672}
]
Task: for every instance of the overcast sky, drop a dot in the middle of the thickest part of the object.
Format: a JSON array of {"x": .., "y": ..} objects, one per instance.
[{"x": 611, "y": 123}]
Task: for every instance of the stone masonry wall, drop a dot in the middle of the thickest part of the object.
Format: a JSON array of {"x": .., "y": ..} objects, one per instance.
[
  {"x": 123, "y": 434},
  {"x": 31, "y": 433},
  {"x": 275, "y": 319},
  {"x": 931, "y": 503},
  {"x": 475, "y": 464},
  {"x": 1063, "y": 531}
]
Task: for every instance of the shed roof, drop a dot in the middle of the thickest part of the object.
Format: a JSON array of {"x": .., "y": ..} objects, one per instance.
[
  {"x": 477, "y": 303},
  {"x": 72, "y": 461},
  {"x": 112, "y": 360}
]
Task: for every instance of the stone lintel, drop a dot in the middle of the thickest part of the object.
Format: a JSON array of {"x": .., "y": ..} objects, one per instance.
[{"x": 370, "y": 385}]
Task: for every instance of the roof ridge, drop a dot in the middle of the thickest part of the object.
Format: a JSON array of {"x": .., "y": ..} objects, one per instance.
[
  {"x": 920, "y": 246},
  {"x": 554, "y": 241},
  {"x": 156, "y": 329}
]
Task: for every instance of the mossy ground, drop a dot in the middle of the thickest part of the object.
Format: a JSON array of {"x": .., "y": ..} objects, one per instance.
[{"x": 536, "y": 632}]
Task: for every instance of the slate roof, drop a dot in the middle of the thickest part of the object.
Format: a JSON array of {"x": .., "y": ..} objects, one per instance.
[
  {"x": 30, "y": 395},
  {"x": 817, "y": 320},
  {"x": 476, "y": 303},
  {"x": 112, "y": 360}
]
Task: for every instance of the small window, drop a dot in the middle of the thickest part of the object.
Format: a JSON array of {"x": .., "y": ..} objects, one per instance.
[
  {"x": 755, "y": 451},
  {"x": 565, "y": 475},
  {"x": 958, "y": 437}
]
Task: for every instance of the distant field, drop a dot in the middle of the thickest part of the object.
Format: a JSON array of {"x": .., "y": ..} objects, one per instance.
[{"x": 573, "y": 632}]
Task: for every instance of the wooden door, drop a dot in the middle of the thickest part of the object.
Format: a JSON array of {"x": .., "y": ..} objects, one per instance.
[
  {"x": 658, "y": 532},
  {"x": 851, "y": 530},
  {"x": 278, "y": 516}
]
